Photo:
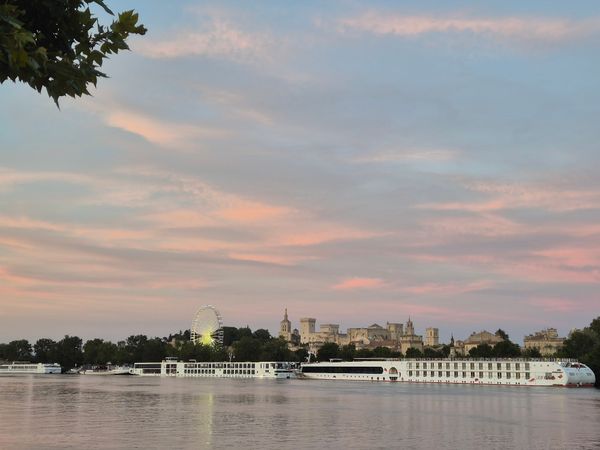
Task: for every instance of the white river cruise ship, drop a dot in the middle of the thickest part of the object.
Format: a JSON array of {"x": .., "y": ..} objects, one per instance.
[
  {"x": 168, "y": 367},
  {"x": 19, "y": 367},
  {"x": 513, "y": 372}
]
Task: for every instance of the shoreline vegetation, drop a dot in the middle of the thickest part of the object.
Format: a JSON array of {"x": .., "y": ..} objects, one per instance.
[{"x": 242, "y": 344}]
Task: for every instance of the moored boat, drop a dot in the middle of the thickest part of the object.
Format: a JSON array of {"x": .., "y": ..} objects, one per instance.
[
  {"x": 24, "y": 367},
  {"x": 261, "y": 369},
  {"x": 513, "y": 372}
]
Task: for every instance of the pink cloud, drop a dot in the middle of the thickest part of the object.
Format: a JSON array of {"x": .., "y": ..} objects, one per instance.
[
  {"x": 530, "y": 29},
  {"x": 555, "y": 304},
  {"x": 166, "y": 134},
  {"x": 359, "y": 283},
  {"x": 447, "y": 288},
  {"x": 220, "y": 38}
]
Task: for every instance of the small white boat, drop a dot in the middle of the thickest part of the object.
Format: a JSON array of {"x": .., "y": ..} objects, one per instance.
[
  {"x": 20, "y": 367},
  {"x": 106, "y": 370}
]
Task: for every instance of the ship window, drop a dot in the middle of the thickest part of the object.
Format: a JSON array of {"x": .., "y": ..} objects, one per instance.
[
  {"x": 410, "y": 373},
  {"x": 432, "y": 373},
  {"x": 343, "y": 369},
  {"x": 527, "y": 375},
  {"x": 464, "y": 374},
  {"x": 472, "y": 374},
  {"x": 499, "y": 375}
]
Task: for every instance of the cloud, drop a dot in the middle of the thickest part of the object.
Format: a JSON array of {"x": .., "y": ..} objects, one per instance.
[
  {"x": 518, "y": 28},
  {"x": 358, "y": 283},
  {"x": 448, "y": 288},
  {"x": 160, "y": 132},
  {"x": 219, "y": 38},
  {"x": 416, "y": 156}
]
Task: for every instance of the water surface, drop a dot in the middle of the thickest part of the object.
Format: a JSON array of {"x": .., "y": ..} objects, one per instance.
[{"x": 57, "y": 412}]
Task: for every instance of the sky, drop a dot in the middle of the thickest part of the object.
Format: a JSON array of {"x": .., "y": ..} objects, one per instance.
[{"x": 355, "y": 162}]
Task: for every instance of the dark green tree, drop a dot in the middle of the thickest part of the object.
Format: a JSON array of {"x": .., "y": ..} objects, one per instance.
[
  {"x": 59, "y": 45},
  {"x": 18, "y": 350},
  {"x": 134, "y": 346},
  {"x": 301, "y": 355},
  {"x": 247, "y": 349},
  {"x": 414, "y": 353},
  {"x": 382, "y": 352},
  {"x": 579, "y": 344},
  {"x": 482, "y": 351},
  {"x": 45, "y": 350},
  {"x": 502, "y": 334},
  {"x": 348, "y": 352},
  {"x": 275, "y": 350},
  {"x": 364, "y": 353},
  {"x": 69, "y": 353},
  {"x": 261, "y": 334},
  {"x": 428, "y": 352},
  {"x": 328, "y": 351},
  {"x": 506, "y": 349},
  {"x": 531, "y": 353}
]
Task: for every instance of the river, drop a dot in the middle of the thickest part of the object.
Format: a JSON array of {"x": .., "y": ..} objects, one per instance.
[{"x": 92, "y": 412}]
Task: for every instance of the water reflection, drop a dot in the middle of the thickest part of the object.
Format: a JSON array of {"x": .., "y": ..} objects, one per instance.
[{"x": 118, "y": 412}]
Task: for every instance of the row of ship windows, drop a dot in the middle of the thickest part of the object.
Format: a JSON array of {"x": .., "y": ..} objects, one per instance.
[
  {"x": 490, "y": 366},
  {"x": 225, "y": 371},
  {"x": 222, "y": 365},
  {"x": 499, "y": 375}
]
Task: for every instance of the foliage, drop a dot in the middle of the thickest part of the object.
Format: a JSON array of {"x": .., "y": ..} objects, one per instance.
[
  {"x": 45, "y": 350},
  {"x": 382, "y": 352},
  {"x": 328, "y": 351},
  {"x": 502, "y": 334},
  {"x": 531, "y": 353},
  {"x": 348, "y": 352},
  {"x": 413, "y": 353},
  {"x": 482, "y": 351},
  {"x": 69, "y": 352},
  {"x": 262, "y": 334},
  {"x": 19, "y": 350},
  {"x": 58, "y": 44},
  {"x": 585, "y": 346},
  {"x": 429, "y": 352}
]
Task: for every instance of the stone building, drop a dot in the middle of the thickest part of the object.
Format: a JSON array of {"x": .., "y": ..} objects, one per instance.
[
  {"x": 546, "y": 341},
  {"x": 394, "y": 335},
  {"x": 432, "y": 337},
  {"x": 483, "y": 337}
]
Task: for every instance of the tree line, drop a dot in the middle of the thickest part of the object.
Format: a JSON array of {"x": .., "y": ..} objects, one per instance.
[
  {"x": 243, "y": 344},
  {"x": 240, "y": 344}
]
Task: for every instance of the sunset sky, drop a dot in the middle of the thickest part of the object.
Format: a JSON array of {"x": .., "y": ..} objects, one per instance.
[{"x": 356, "y": 162}]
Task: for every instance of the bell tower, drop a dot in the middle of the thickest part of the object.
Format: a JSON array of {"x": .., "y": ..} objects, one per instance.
[{"x": 285, "y": 328}]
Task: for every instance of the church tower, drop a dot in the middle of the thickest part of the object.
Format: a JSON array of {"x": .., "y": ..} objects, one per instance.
[{"x": 285, "y": 328}]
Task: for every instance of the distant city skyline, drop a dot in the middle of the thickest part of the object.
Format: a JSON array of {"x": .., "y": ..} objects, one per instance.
[{"x": 354, "y": 163}]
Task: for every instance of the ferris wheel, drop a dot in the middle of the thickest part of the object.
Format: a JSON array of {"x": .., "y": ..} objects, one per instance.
[{"x": 207, "y": 327}]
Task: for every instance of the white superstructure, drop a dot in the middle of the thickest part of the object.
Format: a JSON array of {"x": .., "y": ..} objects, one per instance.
[
  {"x": 18, "y": 367},
  {"x": 515, "y": 372},
  {"x": 263, "y": 369}
]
